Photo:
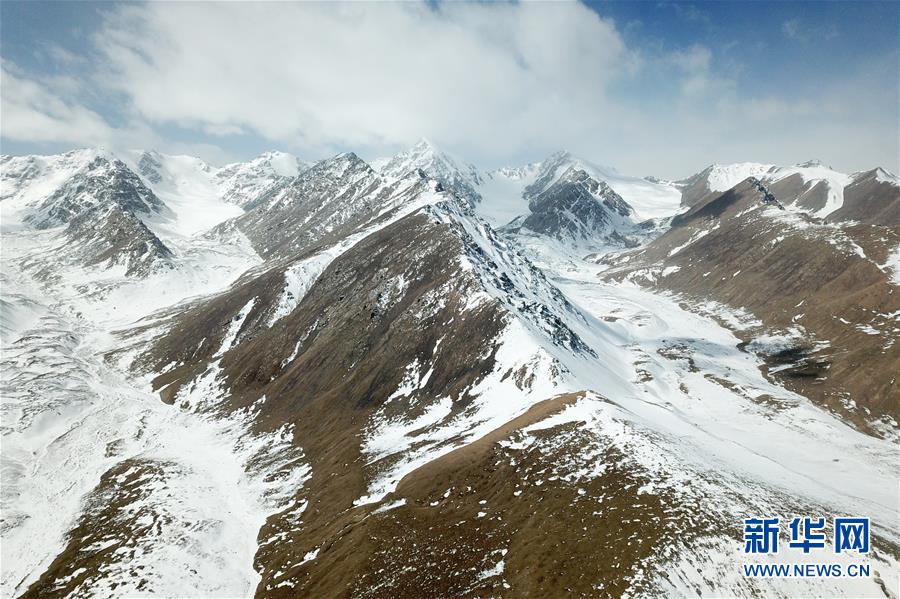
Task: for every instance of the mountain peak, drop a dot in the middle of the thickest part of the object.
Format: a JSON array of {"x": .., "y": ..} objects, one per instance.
[
  {"x": 347, "y": 156},
  {"x": 438, "y": 165},
  {"x": 559, "y": 156},
  {"x": 423, "y": 151},
  {"x": 564, "y": 157},
  {"x": 341, "y": 165},
  {"x": 814, "y": 163},
  {"x": 424, "y": 144},
  {"x": 281, "y": 163},
  {"x": 879, "y": 174},
  {"x": 270, "y": 155},
  {"x": 886, "y": 175}
]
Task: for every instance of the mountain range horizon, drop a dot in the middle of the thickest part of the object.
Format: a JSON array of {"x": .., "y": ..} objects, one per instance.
[{"x": 422, "y": 141}]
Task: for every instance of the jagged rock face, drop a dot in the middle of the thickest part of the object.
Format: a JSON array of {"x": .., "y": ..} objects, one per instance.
[
  {"x": 558, "y": 164},
  {"x": 149, "y": 166},
  {"x": 102, "y": 182},
  {"x": 48, "y": 191},
  {"x": 461, "y": 180},
  {"x": 110, "y": 235},
  {"x": 322, "y": 205},
  {"x": 823, "y": 286},
  {"x": 101, "y": 203},
  {"x": 548, "y": 173},
  {"x": 577, "y": 206},
  {"x": 247, "y": 183},
  {"x": 508, "y": 191},
  {"x": 314, "y": 202}
]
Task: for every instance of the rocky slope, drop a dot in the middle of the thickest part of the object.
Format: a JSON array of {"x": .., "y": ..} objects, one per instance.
[
  {"x": 94, "y": 201},
  {"x": 823, "y": 291},
  {"x": 324, "y": 205},
  {"x": 871, "y": 198},
  {"x": 511, "y": 189},
  {"x": 810, "y": 187},
  {"x": 576, "y": 208},
  {"x": 239, "y": 183},
  {"x": 243, "y": 183},
  {"x": 463, "y": 180},
  {"x": 44, "y": 192}
]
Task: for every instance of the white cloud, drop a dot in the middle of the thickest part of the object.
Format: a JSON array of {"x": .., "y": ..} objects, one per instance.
[
  {"x": 32, "y": 112},
  {"x": 46, "y": 111},
  {"x": 493, "y": 82},
  {"x": 366, "y": 74},
  {"x": 797, "y": 30},
  {"x": 692, "y": 59},
  {"x": 791, "y": 28}
]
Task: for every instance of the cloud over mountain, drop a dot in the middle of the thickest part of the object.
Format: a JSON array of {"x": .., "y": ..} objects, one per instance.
[{"x": 478, "y": 78}]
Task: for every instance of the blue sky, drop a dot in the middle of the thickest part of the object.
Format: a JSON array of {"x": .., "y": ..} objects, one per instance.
[
  {"x": 648, "y": 87},
  {"x": 789, "y": 44}
]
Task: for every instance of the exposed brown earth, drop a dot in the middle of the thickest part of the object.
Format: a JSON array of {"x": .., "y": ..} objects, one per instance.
[
  {"x": 804, "y": 273},
  {"x": 868, "y": 200},
  {"x": 806, "y": 195},
  {"x": 107, "y": 532},
  {"x": 467, "y": 511},
  {"x": 485, "y": 503}
]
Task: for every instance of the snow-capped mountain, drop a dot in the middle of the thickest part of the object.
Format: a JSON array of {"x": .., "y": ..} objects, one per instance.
[
  {"x": 243, "y": 183},
  {"x": 198, "y": 189},
  {"x": 511, "y": 191},
  {"x": 113, "y": 236},
  {"x": 577, "y": 208},
  {"x": 718, "y": 177},
  {"x": 648, "y": 199},
  {"x": 97, "y": 202},
  {"x": 282, "y": 381},
  {"x": 870, "y": 197},
  {"x": 49, "y": 191},
  {"x": 462, "y": 179},
  {"x": 323, "y": 205},
  {"x": 833, "y": 340},
  {"x": 810, "y": 187},
  {"x": 239, "y": 183}
]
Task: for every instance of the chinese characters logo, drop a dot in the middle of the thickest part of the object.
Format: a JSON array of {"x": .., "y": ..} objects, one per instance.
[{"x": 761, "y": 535}]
